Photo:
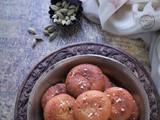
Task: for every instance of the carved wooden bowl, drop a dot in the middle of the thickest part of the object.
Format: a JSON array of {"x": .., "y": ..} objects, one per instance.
[
  {"x": 119, "y": 74},
  {"x": 82, "y": 49}
]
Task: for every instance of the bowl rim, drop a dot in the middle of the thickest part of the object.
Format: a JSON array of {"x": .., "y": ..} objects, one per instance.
[{"x": 59, "y": 63}]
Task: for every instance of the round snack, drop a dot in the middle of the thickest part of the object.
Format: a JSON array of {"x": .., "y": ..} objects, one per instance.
[
  {"x": 84, "y": 77},
  {"x": 59, "y": 107},
  {"x": 78, "y": 84},
  {"x": 92, "y": 105},
  {"x": 135, "y": 112},
  {"x": 107, "y": 83},
  {"x": 122, "y": 103},
  {"x": 53, "y": 91}
]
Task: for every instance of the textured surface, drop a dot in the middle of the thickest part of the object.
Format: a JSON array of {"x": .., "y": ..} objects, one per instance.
[{"x": 17, "y": 57}]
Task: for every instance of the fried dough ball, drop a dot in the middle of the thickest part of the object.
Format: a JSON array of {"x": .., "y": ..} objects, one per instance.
[
  {"x": 84, "y": 77},
  {"x": 107, "y": 83},
  {"x": 53, "y": 91},
  {"x": 135, "y": 112},
  {"x": 92, "y": 105},
  {"x": 77, "y": 85},
  {"x": 122, "y": 103},
  {"x": 59, "y": 107}
]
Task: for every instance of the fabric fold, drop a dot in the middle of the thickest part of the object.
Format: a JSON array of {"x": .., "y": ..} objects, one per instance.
[
  {"x": 134, "y": 18},
  {"x": 107, "y": 8},
  {"x": 155, "y": 60}
]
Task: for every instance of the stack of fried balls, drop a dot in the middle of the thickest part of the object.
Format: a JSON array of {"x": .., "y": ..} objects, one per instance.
[{"x": 88, "y": 94}]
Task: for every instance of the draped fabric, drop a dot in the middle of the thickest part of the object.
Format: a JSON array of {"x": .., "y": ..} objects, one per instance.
[{"x": 134, "y": 18}]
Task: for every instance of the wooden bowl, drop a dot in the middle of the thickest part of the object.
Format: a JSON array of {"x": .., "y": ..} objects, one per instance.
[{"x": 120, "y": 75}]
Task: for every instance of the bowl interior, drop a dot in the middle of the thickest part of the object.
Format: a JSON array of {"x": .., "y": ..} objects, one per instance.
[{"x": 119, "y": 74}]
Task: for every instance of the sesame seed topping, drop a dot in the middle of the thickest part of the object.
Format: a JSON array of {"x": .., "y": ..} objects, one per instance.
[
  {"x": 122, "y": 109},
  {"x": 96, "y": 114},
  {"x": 95, "y": 104},
  {"x": 90, "y": 114},
  {"x": 84, "y": 98},
  {"x": 79, "y": 82},
  {"x": 84, "y": 73},
  {"x": 72, "y": 74},
  {"x": 118, "y": 100},
  {"x": 108, "y": 95},
  {"x": 56, "y": 91},
  {"x": 85, "y": 69},
  {"x": 120, "y": 89},
  {"x": 62, "y": 103},
  {"x": 82, "y": 87}
]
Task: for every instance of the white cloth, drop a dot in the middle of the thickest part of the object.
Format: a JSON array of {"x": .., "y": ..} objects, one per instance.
[
  {"x": 134, "y": 18},
  {"x": 155, "y": 60}
]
